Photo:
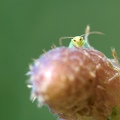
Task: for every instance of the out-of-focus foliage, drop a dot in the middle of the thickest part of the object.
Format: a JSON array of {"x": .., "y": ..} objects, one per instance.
[{"x": 115, "y": 114}]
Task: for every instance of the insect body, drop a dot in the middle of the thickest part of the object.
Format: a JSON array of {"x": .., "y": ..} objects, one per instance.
[
  {"x": 80, "y": 41},
  {"x": 77, "y": 41}
]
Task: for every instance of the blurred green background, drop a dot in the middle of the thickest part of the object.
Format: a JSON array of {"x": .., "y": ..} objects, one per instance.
[{"x": 28, "y": 26}]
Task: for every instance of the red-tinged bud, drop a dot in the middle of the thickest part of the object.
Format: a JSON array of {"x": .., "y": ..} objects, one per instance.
[{"x": 77, "y": 84}]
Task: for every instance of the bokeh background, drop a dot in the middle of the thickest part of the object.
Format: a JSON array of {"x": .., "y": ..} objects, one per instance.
[{"x": 28, "y": 26}]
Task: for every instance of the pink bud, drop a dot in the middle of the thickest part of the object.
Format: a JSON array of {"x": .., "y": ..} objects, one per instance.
[{"x": 77, "y": 84}]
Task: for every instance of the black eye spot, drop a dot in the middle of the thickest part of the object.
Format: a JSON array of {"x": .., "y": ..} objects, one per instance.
[
  {"x": 74, "y": 40},
  {"x": 80, "y": 39}
]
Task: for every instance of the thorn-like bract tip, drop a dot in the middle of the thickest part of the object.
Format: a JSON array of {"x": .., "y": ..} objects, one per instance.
[{"x": 44, "y": 51}]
